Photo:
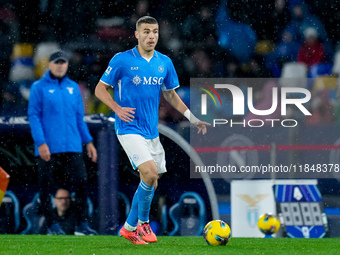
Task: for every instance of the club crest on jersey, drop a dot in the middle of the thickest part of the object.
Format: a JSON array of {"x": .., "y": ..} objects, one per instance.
[
  {"x": 161, "y": 69},
  {"x": 136, "y": 80}
]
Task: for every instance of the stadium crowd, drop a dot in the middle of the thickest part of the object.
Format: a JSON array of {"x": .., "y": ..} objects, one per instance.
[{"x": 229, "y": 38}]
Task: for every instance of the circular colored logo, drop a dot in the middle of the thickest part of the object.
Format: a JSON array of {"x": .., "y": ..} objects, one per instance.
[
  {"x": 135, "y": 157},
  {"x": 161, "y": 69}
]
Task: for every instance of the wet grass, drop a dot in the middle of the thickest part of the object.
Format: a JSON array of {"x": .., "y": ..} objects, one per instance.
[{"x": 104, "y": 245}]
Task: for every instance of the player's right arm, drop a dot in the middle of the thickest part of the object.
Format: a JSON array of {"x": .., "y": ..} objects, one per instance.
[
  {"x": 124, "y": 113},
  {"x": 111, "y": 77}
]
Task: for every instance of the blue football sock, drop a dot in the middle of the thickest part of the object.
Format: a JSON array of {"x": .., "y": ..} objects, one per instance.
[
  {"x": 145, "y": 196},
  {"x": 132, "y": 219}
]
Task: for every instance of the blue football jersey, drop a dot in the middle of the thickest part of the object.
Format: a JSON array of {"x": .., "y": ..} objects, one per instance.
[{"x": 138, "y": 84}]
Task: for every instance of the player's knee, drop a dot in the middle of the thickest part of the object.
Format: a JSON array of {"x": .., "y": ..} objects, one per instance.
[
  {"x": 149, "y": 172},
  {"x": 151, "y": 178}
]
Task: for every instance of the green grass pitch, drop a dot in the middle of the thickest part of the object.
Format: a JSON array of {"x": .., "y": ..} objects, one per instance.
[{"x": 104, "y": 245}]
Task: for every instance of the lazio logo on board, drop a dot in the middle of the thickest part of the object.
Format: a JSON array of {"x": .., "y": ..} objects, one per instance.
[{"x": 252, "y": 209}]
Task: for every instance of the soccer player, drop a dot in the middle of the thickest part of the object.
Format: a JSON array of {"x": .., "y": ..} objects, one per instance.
[{"x": 138, "y": 76}]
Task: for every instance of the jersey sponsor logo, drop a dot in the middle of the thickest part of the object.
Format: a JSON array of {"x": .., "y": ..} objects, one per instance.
[
  {"x": 135, "y": 157},
  {"x": 108, "y": 70},
  {"x": 134, "y": 68},
  {"x": 136, "y": 80},
  {"x": 161, "y": 69},
  {"x": 153, "y": 80},
  {"x": 70, "y": 90},
  {"x": 51, "y": 91},
  {"x": 148, "y": 80}
]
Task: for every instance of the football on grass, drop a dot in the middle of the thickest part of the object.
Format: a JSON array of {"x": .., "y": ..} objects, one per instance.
[{"x": 216, "y": 233}]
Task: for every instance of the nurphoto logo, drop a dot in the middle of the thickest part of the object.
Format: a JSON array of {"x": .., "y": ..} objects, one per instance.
[{"x": 280, "y": 99}]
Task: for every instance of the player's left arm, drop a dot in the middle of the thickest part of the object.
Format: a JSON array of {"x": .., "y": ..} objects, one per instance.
[{"x": 172, "y": 97}]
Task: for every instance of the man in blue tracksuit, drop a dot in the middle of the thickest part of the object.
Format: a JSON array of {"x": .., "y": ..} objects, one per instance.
[{"x": 55, "y": 113}]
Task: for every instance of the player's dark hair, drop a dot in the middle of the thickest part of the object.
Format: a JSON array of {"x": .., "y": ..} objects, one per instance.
[{"x": 147, "y": 20}]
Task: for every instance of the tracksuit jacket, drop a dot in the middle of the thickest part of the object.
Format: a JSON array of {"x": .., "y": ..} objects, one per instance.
[{"x": 55, "y": 113}]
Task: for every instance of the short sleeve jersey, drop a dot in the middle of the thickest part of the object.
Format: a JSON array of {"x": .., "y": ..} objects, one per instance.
[{"x": 138, "y": 83}]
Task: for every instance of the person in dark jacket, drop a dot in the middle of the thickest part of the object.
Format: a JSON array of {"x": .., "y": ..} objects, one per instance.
[
  {"x": 55, "y": 113},
  {"x": 64, "y": 211}
]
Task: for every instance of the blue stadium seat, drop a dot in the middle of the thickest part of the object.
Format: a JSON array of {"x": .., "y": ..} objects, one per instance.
[
  {"x": 188, "y": 215},
  {"x": 320, "y": 69},
  {"x": 35, "y": 221},
  {"x": 123, "y": 198},
  {"x": 10, "y": 213}
]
